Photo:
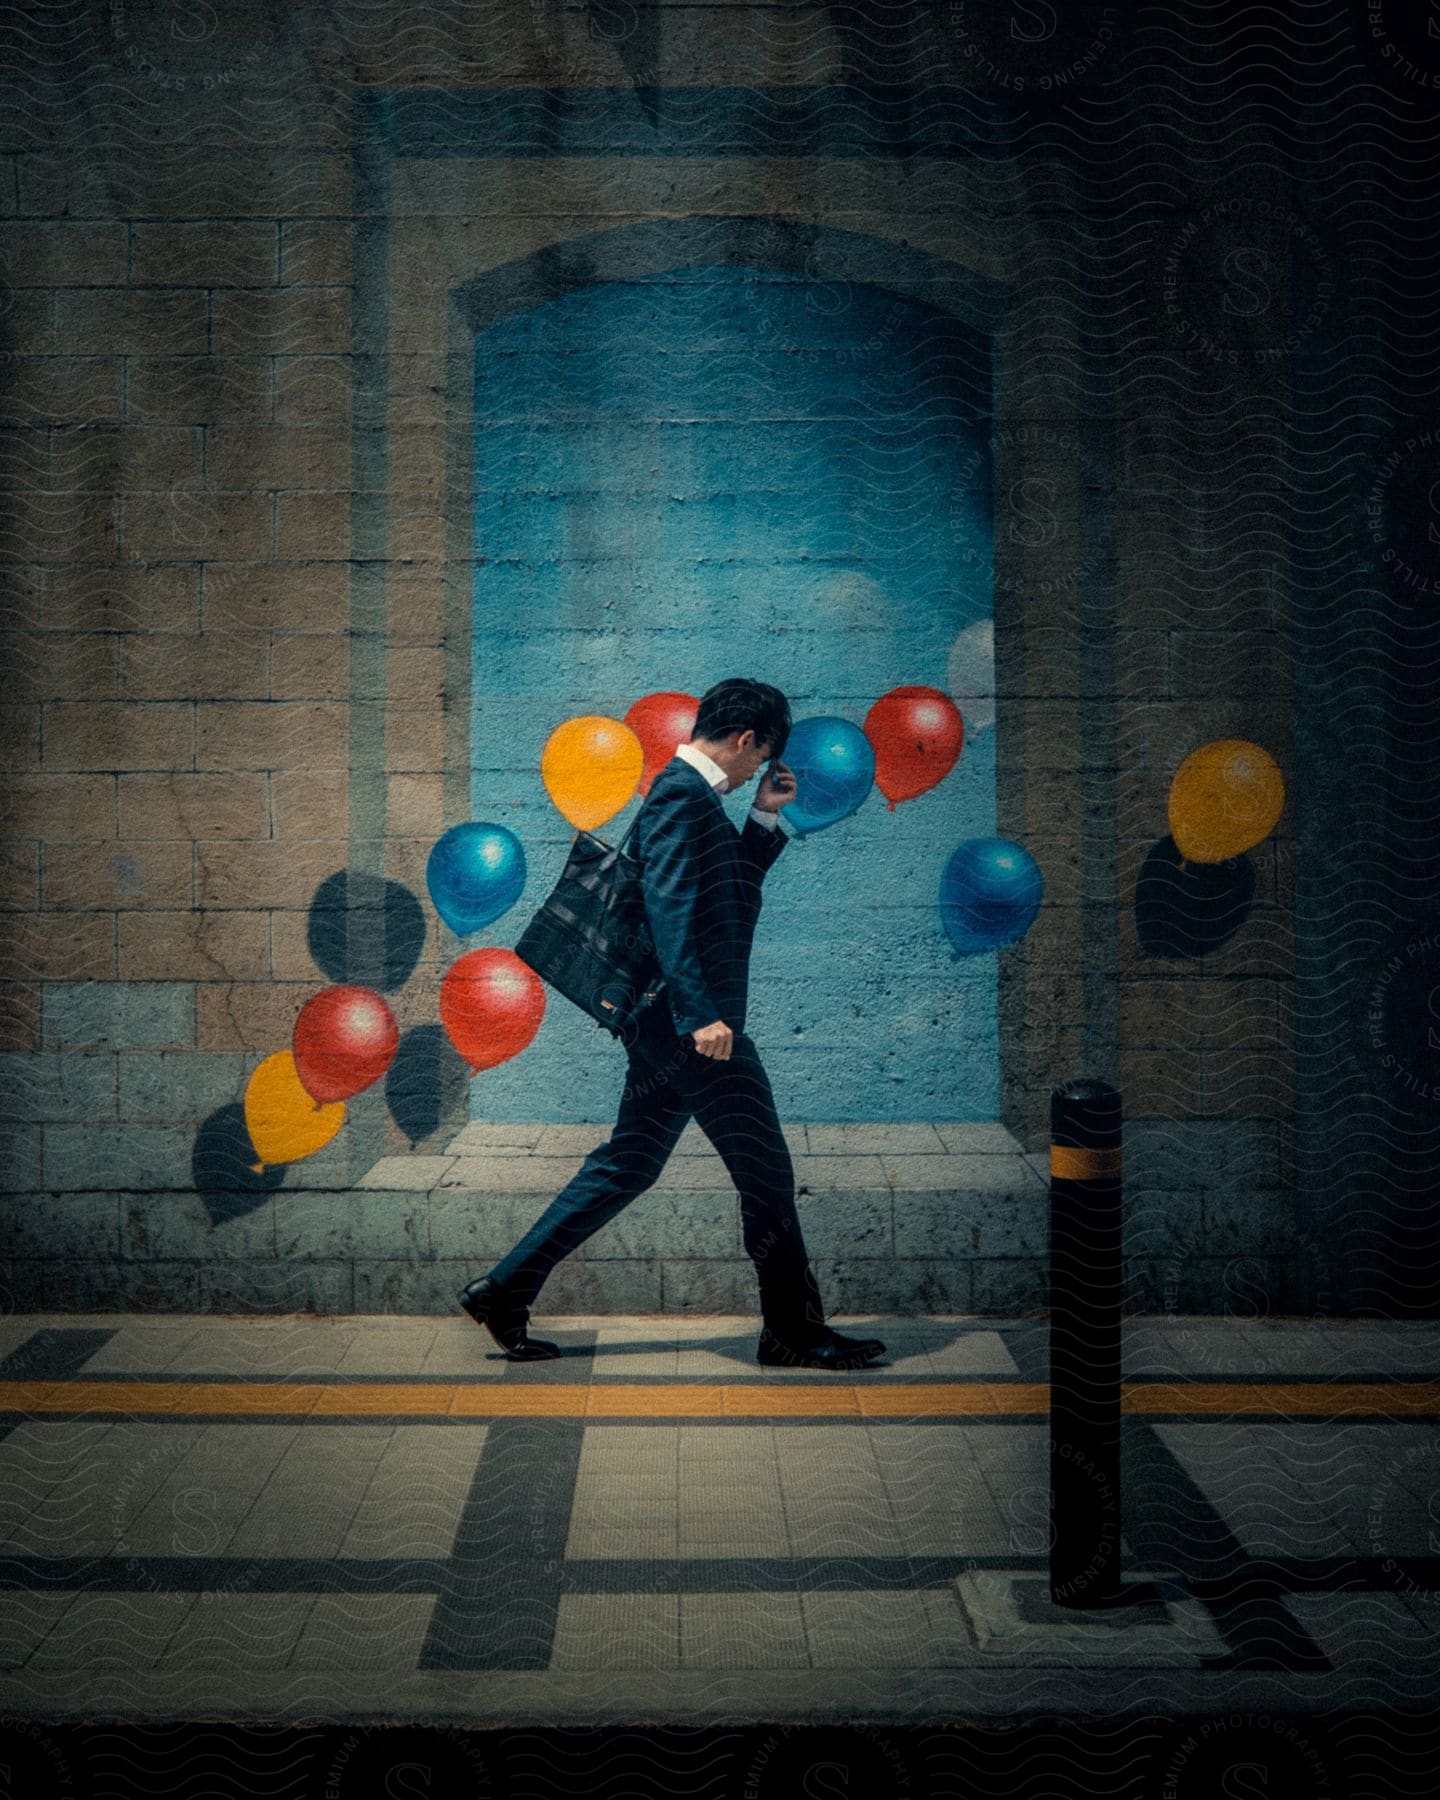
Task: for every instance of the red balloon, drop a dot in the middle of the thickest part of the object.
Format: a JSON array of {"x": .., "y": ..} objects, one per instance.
[
  {"x": 491, "y": 1005},
  {"x": 662, "y": 722},
  {"x": 916, "y": 734},
  {"x": 345, "y": 1038}
]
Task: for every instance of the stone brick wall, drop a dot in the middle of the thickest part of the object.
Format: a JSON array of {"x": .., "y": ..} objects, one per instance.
[{"x": 237, "y": 293}]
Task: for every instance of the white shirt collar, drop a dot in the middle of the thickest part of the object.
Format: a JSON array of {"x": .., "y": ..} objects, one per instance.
[{"x": 707, "y": 765}]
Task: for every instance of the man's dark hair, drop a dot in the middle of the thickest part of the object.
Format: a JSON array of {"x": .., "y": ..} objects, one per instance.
[{"x": 738, "y": 705}]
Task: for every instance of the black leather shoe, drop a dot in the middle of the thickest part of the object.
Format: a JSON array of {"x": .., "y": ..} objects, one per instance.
[
  {"x": 491, "y": 1306},
  {"x": 856, "y": 1346},
  {"x": 832, "y": 1351}
]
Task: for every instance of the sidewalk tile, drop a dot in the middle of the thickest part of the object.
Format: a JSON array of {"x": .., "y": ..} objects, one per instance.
[
  {"x": 770, "y": 1398},
  {"x": 239, "y": 1631},
  {"x": 617, "y": 1631},
  {"x": 825, "y": 1174},
  {"x": 414, "y": 1500},
  {"x": 866, "y": 1630},
  {"x": 871, "y": 1140},
  {"x": 969, "y": 1353},
  {"x": 141, "y": 1350},
  {"x": 355, "y": 1633},
  {"x": 916, "y": 1401},
  {"x": 407, "y": 1174},
  {"x": 403, "y": 1347},
  {"x": 690, "y": 1400},
  {"x": 26, "y": 1619},
  {"x": 1380, "y": 1627},
  {"x": 107, "y": 1396},
  {"x": 406, "y": 1397},
  {"x": 112, "y": 1632},
  {"x": 509, "y": 1175},
  {"x": 566, "y": 1140},
  {"x": 481, "y": 1135},
  {"x": 758, "y": 1630},
  {"x": 972, "y": 1174},
  {"x": 596, "y": 1541},
  {"x": 982, "y": 1136},
  {"x": 251, "y": 1397}
]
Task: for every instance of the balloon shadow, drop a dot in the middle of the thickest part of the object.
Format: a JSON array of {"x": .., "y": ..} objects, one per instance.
[
  {"x": 366, "y": 929},
  {"x": 1192, "y": 910},
  {"x": 222, "y": 1166},
  {"x": 426, "y": 1083}
]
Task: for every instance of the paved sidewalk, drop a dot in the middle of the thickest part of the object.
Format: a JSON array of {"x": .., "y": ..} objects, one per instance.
[{"x": 381, "y": 1518}]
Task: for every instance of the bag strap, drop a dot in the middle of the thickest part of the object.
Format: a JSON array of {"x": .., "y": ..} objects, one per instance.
[
  {"x": 631, "y": 826},
  {"x": 601, "y": 841}
]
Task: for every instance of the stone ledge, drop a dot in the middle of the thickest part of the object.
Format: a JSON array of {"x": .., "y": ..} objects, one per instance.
[{"x": 980, "y": 1287}]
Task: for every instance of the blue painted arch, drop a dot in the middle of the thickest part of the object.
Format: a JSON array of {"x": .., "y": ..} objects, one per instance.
[{"x": 731, "y": 468}]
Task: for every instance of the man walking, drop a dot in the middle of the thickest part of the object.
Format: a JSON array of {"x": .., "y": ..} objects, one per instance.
[{"x": 691, "y": 1057}]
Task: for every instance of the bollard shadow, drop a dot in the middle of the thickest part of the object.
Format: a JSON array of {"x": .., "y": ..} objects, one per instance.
[
  {"x": 222, "y": 1166},
  {"x": 366, "y": 929},
  {"x": 1190, "y": 911},
  {"x": 426, "y": 1084}
]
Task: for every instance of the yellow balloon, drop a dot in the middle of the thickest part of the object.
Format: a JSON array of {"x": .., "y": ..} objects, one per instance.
[
  {"x": 284, "y": 1122},
  {"x": 591, "y": 767},
  {"x": 1226, "y": 797}
]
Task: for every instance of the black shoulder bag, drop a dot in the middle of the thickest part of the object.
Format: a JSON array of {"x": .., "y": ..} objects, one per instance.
[{"x": 591, "y": 940}]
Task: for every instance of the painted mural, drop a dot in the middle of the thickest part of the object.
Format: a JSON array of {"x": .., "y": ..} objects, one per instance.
[
  {"x": 442, "y": 590},
  {"x": 713, "y": 470},
  {"x": 727, "y": 470}
]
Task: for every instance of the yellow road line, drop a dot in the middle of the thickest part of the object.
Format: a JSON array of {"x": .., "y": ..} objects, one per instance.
[
  {"x": 1318, "y": 1399},
  {"x": 595, "y": 1400}
]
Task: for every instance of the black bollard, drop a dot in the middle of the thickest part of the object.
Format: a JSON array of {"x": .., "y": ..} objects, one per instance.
[{"x": 1085, "y": 1346}]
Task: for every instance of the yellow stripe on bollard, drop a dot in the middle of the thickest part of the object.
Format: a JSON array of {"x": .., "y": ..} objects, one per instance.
[{"x": 1070, "y": 1162}]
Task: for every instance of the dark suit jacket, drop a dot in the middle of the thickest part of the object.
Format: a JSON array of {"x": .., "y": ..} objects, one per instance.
[{"x": 701, "y": 881}]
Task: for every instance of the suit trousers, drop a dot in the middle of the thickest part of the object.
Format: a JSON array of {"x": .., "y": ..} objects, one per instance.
[{"x": 733, "y": 1105}]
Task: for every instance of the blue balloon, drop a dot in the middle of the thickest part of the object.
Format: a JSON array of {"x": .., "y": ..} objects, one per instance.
[
  {"x": 834, "y": 770},
  {"x": 475, "y": 873},
  {"x": 990, "y": 892}
]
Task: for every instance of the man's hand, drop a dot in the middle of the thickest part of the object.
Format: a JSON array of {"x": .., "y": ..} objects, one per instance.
[
  {"x": 778, "y": 787},
  {"x": 714, "y": 1040}
]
